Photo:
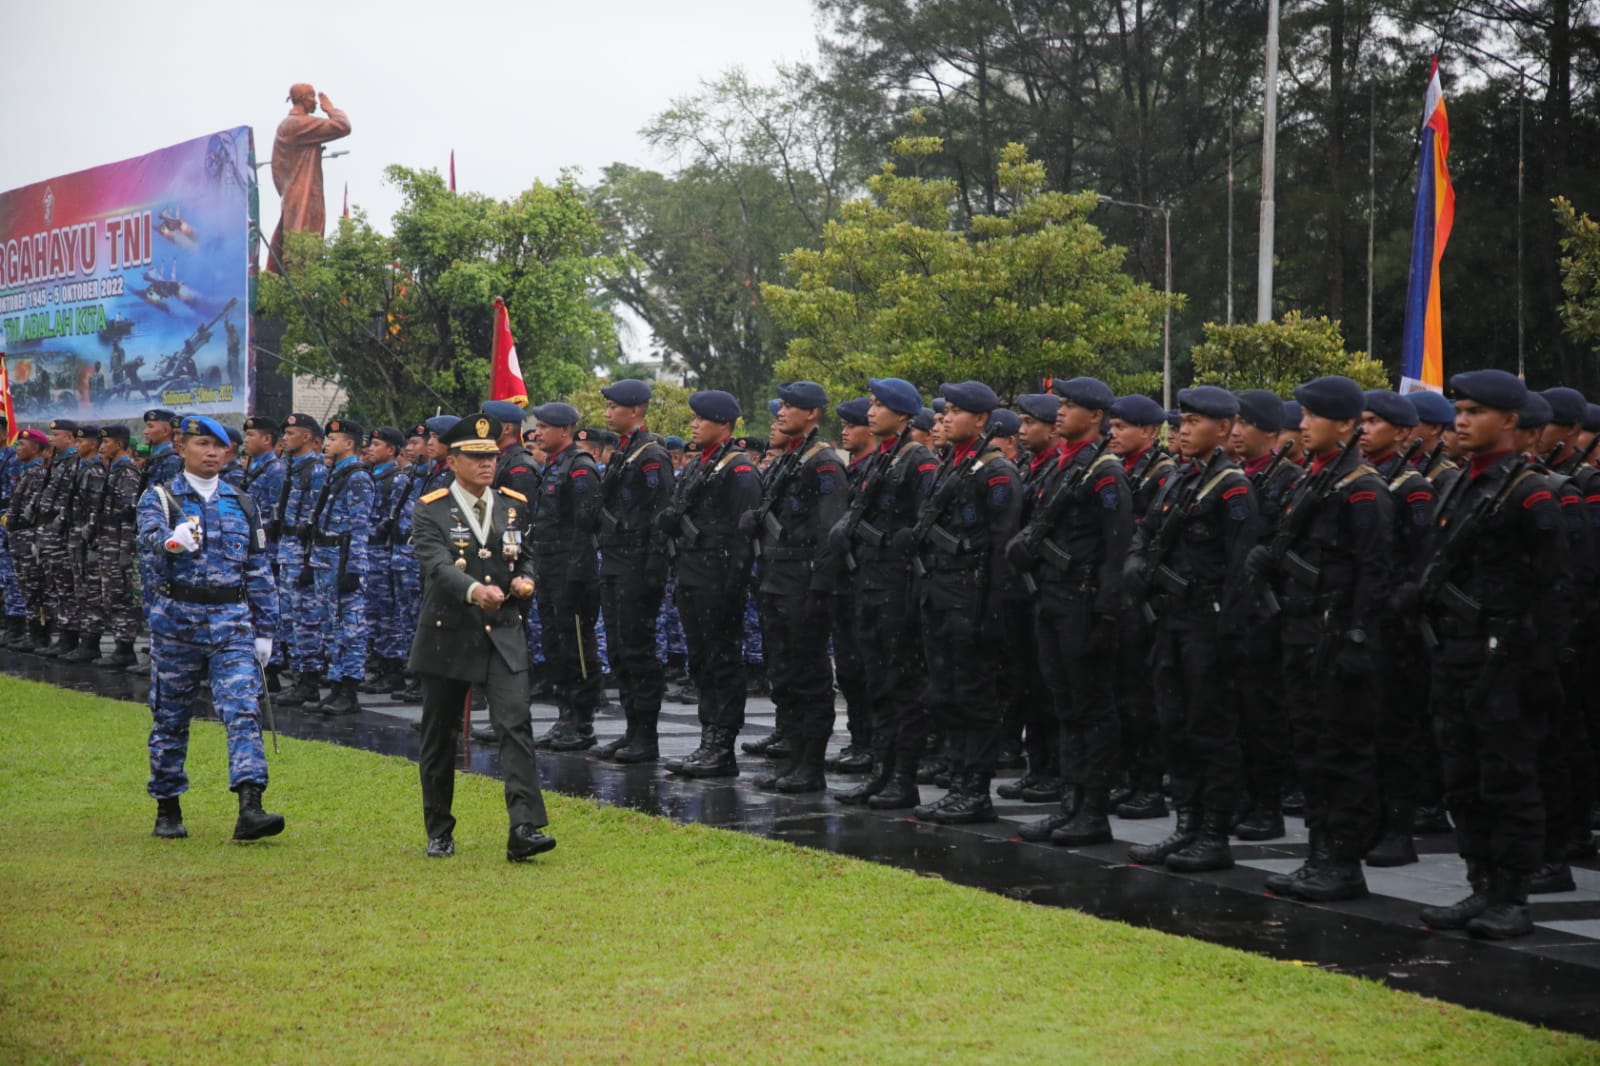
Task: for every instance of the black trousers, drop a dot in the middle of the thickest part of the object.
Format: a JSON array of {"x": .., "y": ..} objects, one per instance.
[
  {"x": 794, "y": 635},
  {"x": 1408, "y": 763},
  {"x": 713, "y": 629},
  {"x": 849, "y": 666},
  {"x": 1136, "y": 704},
  {"x": 631, "y": 605},
  {"x": 1077, "y": 650},
  {"x": 443, "y": 701},
  {"x": 1333, "y": 725},
  {"x": 960, "y": 643},
  {"x": 1255, "y": 669},
  {"x": 567, "y": 617},
  {"x": 1030, "y": 718},
  {"x": 1489, "y": 732},
  {"x": 887, "y": 632},
  {"x": 1199, "y": 724}
]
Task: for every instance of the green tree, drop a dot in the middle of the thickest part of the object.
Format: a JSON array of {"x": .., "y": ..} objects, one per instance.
[
  {"x": 1029, "y": 292},
  {"x": 405, "y": 323},
  {"x": 1278, "y": 356},
  {"x": 669, "y": 406},
  {"x": 1580, "y": 274}
]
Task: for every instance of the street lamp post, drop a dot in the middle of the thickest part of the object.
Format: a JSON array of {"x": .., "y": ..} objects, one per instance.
[{"x": 1165, "y": 211}]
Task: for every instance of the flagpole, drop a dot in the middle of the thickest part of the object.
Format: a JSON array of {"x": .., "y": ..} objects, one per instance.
[
  {"x": 1522, "y": 368},
  {"x": 1372, "y": 192},
  {"x": 1230, "y": 212},
  {"x": 1269, "y": 160}
]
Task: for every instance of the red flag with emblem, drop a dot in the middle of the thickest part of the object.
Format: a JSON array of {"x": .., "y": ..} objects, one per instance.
[
  {"x": 5, "y": 402},
  {"x": 505, "y": 373}
]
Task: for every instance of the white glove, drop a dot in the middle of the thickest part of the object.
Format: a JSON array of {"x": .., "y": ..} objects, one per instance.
[
  {"x": 263, "y": 650},
  {"x": 182, "y": 539}
]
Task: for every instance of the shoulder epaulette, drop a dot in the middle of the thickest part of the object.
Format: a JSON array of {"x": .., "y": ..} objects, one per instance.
[
  {"x": 513, "y": 493},
  {"x": 436, "y": 494}
]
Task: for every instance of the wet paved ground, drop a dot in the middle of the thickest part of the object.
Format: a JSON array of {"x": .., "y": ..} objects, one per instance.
[{"x": 1551, "y": 978}]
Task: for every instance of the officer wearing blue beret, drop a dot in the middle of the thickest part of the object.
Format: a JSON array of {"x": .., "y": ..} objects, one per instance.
[
  {"x": 712, "y": 564},
  {"x": 1188, "y": 559},
  {"x": 380, "y": 588},
  {"x": 212, "y": 608},
  {"x": 337, "y": 565}
]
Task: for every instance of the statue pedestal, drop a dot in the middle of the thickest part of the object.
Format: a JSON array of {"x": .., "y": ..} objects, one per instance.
[{"x": 273, "y": 391}]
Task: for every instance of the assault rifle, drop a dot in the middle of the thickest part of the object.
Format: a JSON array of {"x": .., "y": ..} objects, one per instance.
[
  {"x": 783, "y": 471},
  {"x": 1293, "y": 525},
  {"x": 1033, "y": 542},
  {"x": 1263, "y": 477},
  {"x": 1435, "y": 586},
  {"x": 1166, "y": 535},
  {"x": 933, "y": 507},
  {"x": 853, "y": 523}
]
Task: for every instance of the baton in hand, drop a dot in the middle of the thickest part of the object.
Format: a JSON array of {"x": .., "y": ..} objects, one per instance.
[{"x": 266, "y": 698}]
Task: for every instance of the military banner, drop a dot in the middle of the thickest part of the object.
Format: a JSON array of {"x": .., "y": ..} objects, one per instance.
[{"x": 127, "y": 286}]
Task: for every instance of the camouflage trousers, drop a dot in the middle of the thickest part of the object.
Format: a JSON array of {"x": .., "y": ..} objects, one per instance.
[
  {"x": 119, "y": 608},
  {"x": 30, "y": 574},
  {"x": 299, "y": 617},
  {"x": 176, "y": 669},
  {"x": 16, "y": 605},
  {"x": 396, "y": 632},
  {"x": 343, "y": 617},
  {"x": 87, "y": 612}
]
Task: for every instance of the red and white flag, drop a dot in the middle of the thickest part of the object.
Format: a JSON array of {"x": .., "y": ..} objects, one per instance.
[
  {"x": 5, "y": 403},
  {"x": 505, "y": 373},
  {"x": 452, "y": 170}
]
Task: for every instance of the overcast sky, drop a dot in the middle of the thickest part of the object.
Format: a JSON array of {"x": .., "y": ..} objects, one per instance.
[{"x": 518, "y": 89}]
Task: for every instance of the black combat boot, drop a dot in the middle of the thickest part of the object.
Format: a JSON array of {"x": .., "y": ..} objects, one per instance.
[
  {"x": 901, "y": 793},
  {"x": 409, "y": 690},
  {"x": 1143, "y": 805},
  {"x": 1429, "y": 819},
  {"x": 17, "y": 633},
  {"x": 1047, "y": 789},
  {"x": 968, "y": 802},
  {"x": 1506, "y": 916},
  {"x": 1089, "y": 825},
  {"x": 805, "y": 773},
  {"x": 1318, "y": 855},
  {"x": 1334, "y": 879},
  {"x": 36, "y": 635},
  {"x": 715, "y": 757},
  {"x": 578, "y": 734},
  {"x": 1012, "y": 790},
  {"x": 561, "y": 727},
  {"x": 379, "y": 679},
  {"x": 169, "y": 820},
  {"x": 64, "y": 644},
  {"x": 1182, "y": 835},
  {"x": 1040, "y": 832},
  {"x": 775, "y": 745},
  {"x": 609, "y": 749},
  {"x": 1209, "y": 850},
  {"x": 1396, "y": 848},
  {"x": 643, "y": 744},
  {"x": 254, "y": 823},
  {"x": 307, "y": 688},
  {"x": 1294, "y": 802},
  {"x": 122, "y": 655},
  {"x": 675, "y": 765},
  {"x": 343, "y": 700},
  {"x": 1550, "y": 877},
  {"x": 1456, "y": 915},
  {"x": 877, "y": 780},
  {"x": 525, "y": 841},
  {"x": 87, "y": 651},
  {"x": 1260, "y": 823}
]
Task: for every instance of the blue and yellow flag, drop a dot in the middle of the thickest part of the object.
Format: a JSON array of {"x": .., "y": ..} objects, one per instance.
[{"x": 1422, "y": 350}]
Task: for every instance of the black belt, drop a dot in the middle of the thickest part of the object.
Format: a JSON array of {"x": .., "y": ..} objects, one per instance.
[
  {"x": 174, "y": 590},
  {"x": 953, "y": 564},
  {"x": 786, "y": 555},
  {"x": 634, "y": 538},
  {"x": 327, "y": 540}
]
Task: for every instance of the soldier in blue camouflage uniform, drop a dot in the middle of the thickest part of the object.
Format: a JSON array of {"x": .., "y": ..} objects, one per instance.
[
  {"x": 160, "y": 466},
  {"x": 387, "y": 643},
  {"x": 232, "y": 468},
  {"x": 428, "y": 473},
  {"x": 671, "y": 646},
  {"x": 340, "y": 525},
  {"x": 50, "y": 542},
  {"x": 16, "y": 611},
  {"x": 211, "y": 605},
  {"x": 263, "y": 483},
  {"x": 85, "y": 611},
  {"x": 21, "y": 517},
  {"x": 115, "y": 543},
  {"x": 298, "y": 626}
]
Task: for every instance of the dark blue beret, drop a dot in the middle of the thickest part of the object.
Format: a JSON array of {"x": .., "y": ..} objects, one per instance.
[
  {"x": 1535, "y": 413},
  {"x": 1567, "y": 406},
  {"x": 262, "y": 423},
  {"x": 1004, "y": 423},
  {"x": 1040, "y": 405},
  {"x": 1492, "y": 388},
  {"x": 439, "y": 425},
  {"x": 1332, "y": 397},
  {"x": 853, "y": 412},
  {"x": 972, "y": 396},
  {"x": 118, "y": 433},
  {"x": 346, "y": 426},
  {"x": 1208, "y": 401},
  {"x": 897, "y": 394},
  {"x": 304, "y": 422},
  {"x": 924, "y": 420},
  {"x": 203, "y": 426},
  {"x": 1291, "y": 414},
  {"x": 772, "y": 407},
  {"x": 1174, "y": 418},
  {"x": 937, "y": 404},
  {"x": 161, "y": 414},
  {"x": 674, "y": 443},
  {"x": 716, "y": 406},
  {"x": 390, "y": 436},
  {"x": 1085, "y": 392},
  {"x": 1392, "y": 407},
  {"x": 86, "y": 431},
  {"x": 1261, "y": 409},
  {"x": 806, "y": 394},
  {"x": 551, "y": 414},
  {"x": 235, "y": 438},
  {"x": 629, "y": 392},
  {"x": 506, "y": 411},
  {"x": 1591, "y": 418},
  {"x": 1137, "y": 410},
  {"x": 1432, "y": 407}
]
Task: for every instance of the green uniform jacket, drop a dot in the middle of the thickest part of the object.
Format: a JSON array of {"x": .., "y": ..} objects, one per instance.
[{"x": 455, "y": 638}]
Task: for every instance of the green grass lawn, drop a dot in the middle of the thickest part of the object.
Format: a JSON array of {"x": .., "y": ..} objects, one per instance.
[{"x": 636, "y": 940}]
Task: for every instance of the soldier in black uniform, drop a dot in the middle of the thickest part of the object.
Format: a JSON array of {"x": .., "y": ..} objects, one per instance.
[
  {"x": 960, "y": 539},
  {"x": 1075, "y": 546},
  {"x": 566, "y": 508},
  {"x": 1491, "y": 586},
  {"x": 515, "y": 469},
  {"x": 858, "y": 445},
  {"x": 804, "y": 494},
  {"x": 476, "y": 574},
  {"x": 1032, "y": 718},
  {"x": 636, "y": 486},
  {"x": 712, "y": 567},
  {"x": 1135, "y": 439},
  {"x": 1330, "y": 562},
  {"x": 1256, "y": 658},
  {"x": 885, "y": 498},
  {"x": 1436, "y": 417},
  {"x": 1407, "y": 762},
  {"x": 1189, "y": 553}
]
